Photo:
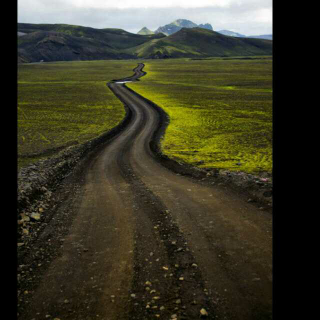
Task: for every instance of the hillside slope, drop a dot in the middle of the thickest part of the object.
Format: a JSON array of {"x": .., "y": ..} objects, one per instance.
[
  {"x": 145, "y": 31},
  {"x": 57, "y": 46},
  {"x": 197, "y": 42},
  {"x": 58, "y": 42},
  {"x": 115, "y": 38},
  {"x": 62, "y": 42}
]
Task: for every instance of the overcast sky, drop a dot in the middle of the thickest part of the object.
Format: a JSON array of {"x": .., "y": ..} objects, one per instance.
[{"x": 249, "y": 17}]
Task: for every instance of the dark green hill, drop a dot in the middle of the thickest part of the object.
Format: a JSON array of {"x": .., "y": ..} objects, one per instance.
[
  {"x": 198, "y": 42},
  {"x": 58, "y": 46},
  {"x": 115, "y": 38},
  {"x": 60, "y": 42}
]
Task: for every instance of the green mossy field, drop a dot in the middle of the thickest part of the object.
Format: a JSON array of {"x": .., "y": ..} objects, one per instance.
[
  {"x": 65, "y": 103},
  {"x": 220, "y": 110}
]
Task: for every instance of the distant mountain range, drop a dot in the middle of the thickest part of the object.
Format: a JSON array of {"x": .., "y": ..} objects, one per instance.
[
  {"x": 201, "y": 43},
  {"x": 263, "y": 36},
  {"x": 235, "y": 34},
  {"x": 177, "y": 25},
  {"x": 145, "y": 31},
  {"x": 61, "y": 42},
  {"x": 231, "y": 33}
]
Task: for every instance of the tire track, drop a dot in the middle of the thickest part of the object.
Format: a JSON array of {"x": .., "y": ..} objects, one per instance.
[
  {"x": 162, "y": 257},
  {"x": 147, "y": 243},
  {"x": 222, "y": 231}
]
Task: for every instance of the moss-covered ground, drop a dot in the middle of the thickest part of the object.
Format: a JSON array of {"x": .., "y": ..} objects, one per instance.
[
  {"x": 66, "y": 103},
  {"x": 220, "y": 110}
]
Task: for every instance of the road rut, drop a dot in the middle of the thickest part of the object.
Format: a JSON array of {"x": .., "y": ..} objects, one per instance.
[{"x": 148, "y": 243}]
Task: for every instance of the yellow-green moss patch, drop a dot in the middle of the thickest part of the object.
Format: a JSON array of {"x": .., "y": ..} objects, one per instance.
[
  {"x": 220, "y": 110},
  {"x": 66, "y": 103}
]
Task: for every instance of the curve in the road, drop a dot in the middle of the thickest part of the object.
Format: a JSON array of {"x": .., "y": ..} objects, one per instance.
[{"x": 148, "y": 243}]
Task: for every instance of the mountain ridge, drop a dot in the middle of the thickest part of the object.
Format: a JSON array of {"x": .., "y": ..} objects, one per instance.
[
  {"x": 200, "y": 43},
  {"x": 231, "y": 33},
  {"x": 236, "y": 34},
  {"x": 178, "y": 24},
  {"x": 60, "y": 42},
  {"x": 145, "y": 31}
]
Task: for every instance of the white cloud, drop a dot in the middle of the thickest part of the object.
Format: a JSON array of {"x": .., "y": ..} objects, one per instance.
[
  {"x": 125, "y": 4},
  {"x": 133, "y": 4},
  {"x": 263, "y": 15}
]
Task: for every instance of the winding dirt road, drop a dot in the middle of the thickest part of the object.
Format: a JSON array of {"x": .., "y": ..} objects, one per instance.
[{"x": 146, "y": 243}]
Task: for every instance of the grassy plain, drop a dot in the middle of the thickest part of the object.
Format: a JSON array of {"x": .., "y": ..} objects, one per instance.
[
  {"x": 65, "y": 103},
  {"x": 220, "y": 110}
]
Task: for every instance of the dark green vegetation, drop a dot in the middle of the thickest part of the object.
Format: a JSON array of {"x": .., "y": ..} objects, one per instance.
[
  {"x": 66, "y": 103},
  {"x": 114, "y": 38},
  {"x": 198, "y": 42},
  {"x": 61, "y": 42},
  {"x": 220, "y": 110},
  {"x": 57, "y": 42},
  {"x": 57, "y": 46}
]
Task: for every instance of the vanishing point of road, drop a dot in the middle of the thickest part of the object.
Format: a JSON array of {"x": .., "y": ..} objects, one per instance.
[{"x": 147, "y": 243}]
